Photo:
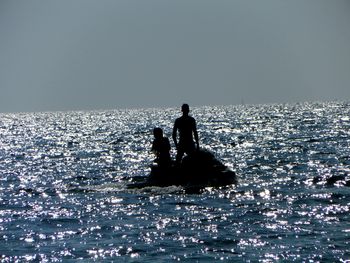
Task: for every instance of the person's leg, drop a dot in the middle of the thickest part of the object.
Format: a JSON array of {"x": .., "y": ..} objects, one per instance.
[
  {"x": 179, "y": 154},
  {"x": 190, "y": 148}
]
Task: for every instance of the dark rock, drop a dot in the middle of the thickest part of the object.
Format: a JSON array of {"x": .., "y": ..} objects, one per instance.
[{"x": 199, "y": 169}]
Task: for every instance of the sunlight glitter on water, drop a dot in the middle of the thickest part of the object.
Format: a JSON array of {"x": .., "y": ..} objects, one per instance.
[{"x": 64, "y": 175}]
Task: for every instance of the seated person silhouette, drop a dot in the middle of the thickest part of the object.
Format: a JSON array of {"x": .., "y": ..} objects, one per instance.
[
  {"x": 186, "y": 125},
  {"x": 161, "y": 148}
]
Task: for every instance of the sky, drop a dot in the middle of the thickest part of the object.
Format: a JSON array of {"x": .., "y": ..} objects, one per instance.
[{"x": 111, "y": 54}]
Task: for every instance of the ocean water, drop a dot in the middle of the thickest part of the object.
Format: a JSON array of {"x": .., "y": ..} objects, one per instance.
[{"x": 64, "y": 195}]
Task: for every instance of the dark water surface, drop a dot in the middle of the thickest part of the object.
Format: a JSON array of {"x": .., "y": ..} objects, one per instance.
[{"x": 63, "y": 194}]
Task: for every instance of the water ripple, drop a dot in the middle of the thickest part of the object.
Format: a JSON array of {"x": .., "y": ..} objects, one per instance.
[{"x": 63, "y": 194}]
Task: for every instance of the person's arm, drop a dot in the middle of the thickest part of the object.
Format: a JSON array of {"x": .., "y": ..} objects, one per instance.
[
  {"x": 195, "y": 133},
  {"x": 167, "y": 144},
  {"x": 175, "y": 134},
  {"x": 154, "y": 148}
]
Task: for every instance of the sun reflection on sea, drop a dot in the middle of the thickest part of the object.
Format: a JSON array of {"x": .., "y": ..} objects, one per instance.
[{"x": 64, "y": 196}]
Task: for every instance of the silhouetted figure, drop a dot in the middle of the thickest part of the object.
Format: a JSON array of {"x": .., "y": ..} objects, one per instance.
[
  {"x": 187, "y": 129},
  {"x": 161, "y": 148}
]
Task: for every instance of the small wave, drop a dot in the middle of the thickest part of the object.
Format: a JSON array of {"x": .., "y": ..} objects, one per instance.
[
  {"x": 156, "y": 190},
  {"x": 105, "y": 188}
]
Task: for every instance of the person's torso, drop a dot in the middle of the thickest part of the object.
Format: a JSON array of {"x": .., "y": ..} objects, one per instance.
[
  {"x": 162, "y": 145},
  {"x": 186, "y": 125}
]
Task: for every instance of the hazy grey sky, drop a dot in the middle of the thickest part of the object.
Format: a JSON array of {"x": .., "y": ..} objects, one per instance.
[{"x": 84, "y": 54}]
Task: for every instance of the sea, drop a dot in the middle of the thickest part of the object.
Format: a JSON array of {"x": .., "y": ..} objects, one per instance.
[{"x": 64, "y": 194}]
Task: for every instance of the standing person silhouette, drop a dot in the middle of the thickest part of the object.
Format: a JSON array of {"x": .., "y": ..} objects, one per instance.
[{"x": 187, "y": 129}]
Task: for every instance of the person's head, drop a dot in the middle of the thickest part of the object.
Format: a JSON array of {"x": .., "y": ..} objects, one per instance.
[
  {"x": 185, "y": 108},
  {"x": 158, "y": 133}
]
